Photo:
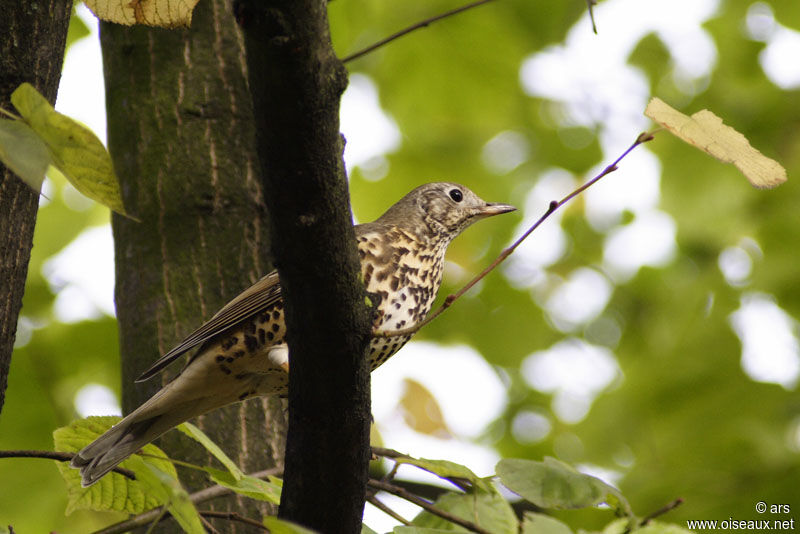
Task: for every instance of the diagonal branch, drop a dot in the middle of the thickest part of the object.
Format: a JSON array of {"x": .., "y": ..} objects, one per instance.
[
  {"x": 410, "y": 497},
  {"x": 554, "y": 205},
  {"x": 421, "y": 24},
  {"x": 60, "y": 456}
]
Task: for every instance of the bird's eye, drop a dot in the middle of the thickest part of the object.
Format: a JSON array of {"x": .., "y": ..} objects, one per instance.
[{"x": 456, "y": 195}]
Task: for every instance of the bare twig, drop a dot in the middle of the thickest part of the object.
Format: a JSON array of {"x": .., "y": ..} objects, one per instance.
[
  {"x": 418, "y": 25},
  {"x": 410, "y": 497},
  {"x": 60, "y": 456},
  {"x": 374, "y": 501},
  {"x": 197, "y": 497},
  {"x": 554, "y": 205},
  {"x": 233, "y": 516},
  {"x": 590, "y": 5},
  {"x": 661, "y": 511}
]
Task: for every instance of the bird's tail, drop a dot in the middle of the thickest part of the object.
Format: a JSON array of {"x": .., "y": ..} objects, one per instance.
[{"x": 135, "y": 431}]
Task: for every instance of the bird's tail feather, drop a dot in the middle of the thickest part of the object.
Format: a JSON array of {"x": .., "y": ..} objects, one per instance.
[{"x": 129, "y": 435}]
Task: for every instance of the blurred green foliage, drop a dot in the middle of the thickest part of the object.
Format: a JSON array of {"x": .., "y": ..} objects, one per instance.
[{"x": 683, "y": 420}]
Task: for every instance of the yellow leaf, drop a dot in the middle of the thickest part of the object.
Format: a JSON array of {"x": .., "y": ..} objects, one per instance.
[
  {"x": 707, "y": 132},
  {"x": 74, "y": 149},
  {"x": 421, "y": 411},
  {"x": 162, "y": 13}
]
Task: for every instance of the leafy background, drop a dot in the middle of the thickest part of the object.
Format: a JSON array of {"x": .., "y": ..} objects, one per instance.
[{"x": 651, "y": 351}]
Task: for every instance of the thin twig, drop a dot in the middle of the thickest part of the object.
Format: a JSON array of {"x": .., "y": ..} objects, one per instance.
[
  {"x": 233, "y": 516},
  {"x": 197, "y": 497},
  {"x": 590, "y": 5},
  {"x": 661, "y": 511},
  {"x": 554, "y": 205},
  {"x": 418, "y": 25},
  {"x": 9, "y": 114},
  {"x": 410, "y": 497},
  {"x": 60, "y": 456},
  {"x": 374, "y": 501}
]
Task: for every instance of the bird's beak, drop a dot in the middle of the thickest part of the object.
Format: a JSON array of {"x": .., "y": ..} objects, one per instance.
[{"x": 496, "y": 208}]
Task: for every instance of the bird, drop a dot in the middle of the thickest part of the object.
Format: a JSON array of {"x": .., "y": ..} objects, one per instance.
[{"x": 242, "y": 352}]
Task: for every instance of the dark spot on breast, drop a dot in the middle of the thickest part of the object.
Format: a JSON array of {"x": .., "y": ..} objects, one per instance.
[
  {"x": 397, "y": 305},
  {"x": 270, "y": 336},
  {"x": 229, "y": 359},
  {"x": 400, "y": 325},
  {"x": 250, "y": 327},
  {"x": 251, "y": 343},
  {"x": 229, "y": 342},
  {"x": 262, "y": 336},
  {"x": 276, "y": 315},
  {"x": 238, "y": 354},
  {"x": 275, "y": 327},
  {"x": 394, "y": 283},
  {"x": 225, "y": 369},
  {"x": 220, "y": 358}
]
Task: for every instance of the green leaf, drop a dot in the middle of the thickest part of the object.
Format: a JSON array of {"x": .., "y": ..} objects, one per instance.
[
  {"x": 366, "y": 530},
  {"x": 279, "y": 526},
  {"x": 488, "y": 510},
  {"x": 252, "y": 487},
  {"x": 22, "y": 151},
  {"x": 177, "y": 500},
  {"x": 74, "y": 149},
  {"x": 420, "y": 530},
  {"x": 200, "y": 437},
  {"x": 113, "y": 491},
  {"x": 534, "y": 523},
  {"x": 448, "y": 470},
  {"x": 554, "y": 484}
]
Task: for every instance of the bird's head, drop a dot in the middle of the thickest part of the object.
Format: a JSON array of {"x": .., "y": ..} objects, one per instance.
[{"x": 441, "y": 210}]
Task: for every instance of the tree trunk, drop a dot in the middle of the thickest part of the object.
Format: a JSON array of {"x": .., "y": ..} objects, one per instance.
[
  {"x": 182, "y": 137},
  {"x": 32, "y": 45},
  {"x": 297, "y": 82}
]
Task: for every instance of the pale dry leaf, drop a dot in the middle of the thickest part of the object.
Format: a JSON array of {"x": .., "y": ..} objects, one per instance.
[
  {"x": 161, "y": 13},
  {"x": 707, "y": 132}
]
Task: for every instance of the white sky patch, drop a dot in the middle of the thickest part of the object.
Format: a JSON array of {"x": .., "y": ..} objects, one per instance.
[
  {"x": 736, "y": 265},
  {"x": 770, "y": 348},
  {"x": 370, "y": 132},
  {"x": 579, "y": 299},
  {"x": 469, "y": 392},
  {"x": 82, "y": 276},
  {"x": 577, "y": 73},
  {"x": 647, "y": 241},
  {"x": 529, "y": 427},
  {"x": 505, "y": 152},
  {"x": 81, "y": 92},
  {"x": 96, "y": 399},
  {"x": 574, "y": 372},
  {"x": 549, "y": 242},
  {"x": 779, "y": 58},
  {"x": 634, "y": 187}
]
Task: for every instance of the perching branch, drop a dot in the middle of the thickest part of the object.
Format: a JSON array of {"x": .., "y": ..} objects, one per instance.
[
  {"x": 410, "y": 497},
  {"x": 418, "y": 25},
  {"x": 197, "y": 497},
  {"x": 60, "y": 456},
  {"x": 554, "y": 205},
  {"x": 661, "y": 511}
]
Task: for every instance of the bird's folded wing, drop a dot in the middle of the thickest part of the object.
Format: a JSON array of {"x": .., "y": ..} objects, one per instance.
[{"x": 254, "y": 299}]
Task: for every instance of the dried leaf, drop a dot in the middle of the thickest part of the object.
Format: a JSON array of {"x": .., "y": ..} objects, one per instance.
[
  {"x": 161, "y": 13},
  {"x": 707, "y": 132}
]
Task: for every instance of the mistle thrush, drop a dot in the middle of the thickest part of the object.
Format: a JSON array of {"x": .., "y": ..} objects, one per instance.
[{"x": 242, "y": 350}]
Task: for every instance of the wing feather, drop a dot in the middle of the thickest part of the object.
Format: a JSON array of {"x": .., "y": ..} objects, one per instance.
[{"x": 254, "y": 299}]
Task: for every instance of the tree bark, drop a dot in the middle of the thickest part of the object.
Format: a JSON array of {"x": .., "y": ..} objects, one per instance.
[
  {"x": 296, "y": 82},
  {"x": 32, "y": 41},
  {"x": 182, "y": 137}
]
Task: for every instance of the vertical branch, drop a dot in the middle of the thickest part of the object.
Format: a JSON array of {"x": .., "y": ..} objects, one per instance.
[
  {"x": 31, "y": 50},
  {"x": 296, "y": 83}
]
